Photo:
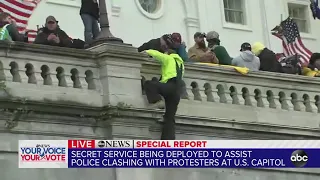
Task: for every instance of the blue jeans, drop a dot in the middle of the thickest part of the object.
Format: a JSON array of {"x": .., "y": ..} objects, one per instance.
[{"x": 91, "y": 27}]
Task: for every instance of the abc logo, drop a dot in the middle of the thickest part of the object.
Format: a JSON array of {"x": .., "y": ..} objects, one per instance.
[
  {"x": 299, "y": 158},
  {"x": 101, "y": 144}
]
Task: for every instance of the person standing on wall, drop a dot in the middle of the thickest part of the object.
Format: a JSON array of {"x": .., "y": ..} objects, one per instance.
[
  {"x": 169, "y": 87},
  {"x": 90, "y": 14}
]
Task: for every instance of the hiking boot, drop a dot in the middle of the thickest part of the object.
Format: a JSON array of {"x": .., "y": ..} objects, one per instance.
[{"x": 158, "y": 105}]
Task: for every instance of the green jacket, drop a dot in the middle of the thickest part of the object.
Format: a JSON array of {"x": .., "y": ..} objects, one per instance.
[
  {"x": 4, "y": 33},
  {"x": 222, "y": 55},
  {"x": 168, "y": 64}
]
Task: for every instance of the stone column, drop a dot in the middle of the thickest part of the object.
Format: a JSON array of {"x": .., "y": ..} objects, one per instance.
[
  {"x": 191, "y": 19},
  {"x": 120, "y": 77}
]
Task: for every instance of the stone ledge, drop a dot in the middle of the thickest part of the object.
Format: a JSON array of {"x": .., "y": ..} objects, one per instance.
[
  {"x": 151, "y": 67},
  {"x": 152, "y": 115},
  {"x": 111, "y": 50}
]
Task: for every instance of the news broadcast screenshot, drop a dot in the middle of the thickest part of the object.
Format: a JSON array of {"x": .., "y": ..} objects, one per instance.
[{"x": 169, "y": 154}]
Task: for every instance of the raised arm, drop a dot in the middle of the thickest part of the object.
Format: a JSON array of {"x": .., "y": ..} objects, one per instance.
[{"x": 157, "y": 55}]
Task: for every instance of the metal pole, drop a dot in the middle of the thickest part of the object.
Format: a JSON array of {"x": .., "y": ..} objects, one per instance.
[{"x": 105, "y": 35}]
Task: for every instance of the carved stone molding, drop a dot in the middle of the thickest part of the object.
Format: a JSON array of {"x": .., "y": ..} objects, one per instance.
[
  {"x": 191, "y": 8},
  {"x": 192, "y": 22},
  {"x": 115, "y": 8}
]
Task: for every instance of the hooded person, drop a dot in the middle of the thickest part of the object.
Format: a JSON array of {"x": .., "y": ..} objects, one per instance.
[
  {"x": 247, "y": 58},
  {"x": 179, "y": 47},
  {"x": 161, "y": 44},
  {"x": 268, "y": 59},
  {"x": 8, "y": 29},
  {"x": 169, "y": 87},
  {"x": 52, "y": 35}
]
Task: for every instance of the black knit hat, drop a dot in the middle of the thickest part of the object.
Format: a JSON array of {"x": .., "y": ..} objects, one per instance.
[
  {"x": 314, "y": 57},
  {"x": 168, "y": 39},
  {"x": 245, "y": 46}
]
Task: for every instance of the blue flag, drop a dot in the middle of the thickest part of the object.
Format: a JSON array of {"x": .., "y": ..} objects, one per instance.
[{"x": 314, "y": 6}]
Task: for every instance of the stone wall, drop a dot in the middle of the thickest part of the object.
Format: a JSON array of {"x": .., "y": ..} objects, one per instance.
[{"x": 59, "y": 93}]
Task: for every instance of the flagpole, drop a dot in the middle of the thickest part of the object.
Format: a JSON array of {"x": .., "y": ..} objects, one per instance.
[{"x": 105, "y": 35}]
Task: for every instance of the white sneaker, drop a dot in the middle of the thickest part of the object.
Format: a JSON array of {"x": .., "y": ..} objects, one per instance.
[{"x": 158, "y": 105}]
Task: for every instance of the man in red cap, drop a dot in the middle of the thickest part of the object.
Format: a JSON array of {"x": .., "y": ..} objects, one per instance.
[{"x": 179, "y": 47}]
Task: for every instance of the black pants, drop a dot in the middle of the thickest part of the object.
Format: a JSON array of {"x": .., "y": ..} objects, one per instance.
[{"x": 171, "y": 94}]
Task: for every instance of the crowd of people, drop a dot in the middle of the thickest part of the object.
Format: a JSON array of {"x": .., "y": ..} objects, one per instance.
[
  {"x": 255, "y": 57},
  {"x": 51, "y": 33},
  {"x": 171, "y": 52}
]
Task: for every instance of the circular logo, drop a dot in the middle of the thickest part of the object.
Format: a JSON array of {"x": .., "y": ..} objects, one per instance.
[
  {"x": 101, "y": 144},
  {"x": 299, "y": 158}
]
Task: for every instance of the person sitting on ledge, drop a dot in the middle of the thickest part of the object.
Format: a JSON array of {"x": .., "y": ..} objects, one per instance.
[
  {"x": 247, "y": 58},
  {"x": 8, "y": 28},
  {"x": 52, "y": 35},
  {"x": 199, "y": 52},
  {"x": 169, "y": 87},
  {"x": 313, "y": 69},
  {"x": 213, "y": 39},
  {"x": 268, "y": 59}
]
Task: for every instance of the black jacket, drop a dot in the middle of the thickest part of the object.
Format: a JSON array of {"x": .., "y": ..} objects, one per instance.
[
  {"x": 268, "y": 61},
  {"x": 42, "y": 37},
  {"x": 154, "y": 44},
  {"x": 89, "y": 7},
  {"x": 14, "y": 33}
]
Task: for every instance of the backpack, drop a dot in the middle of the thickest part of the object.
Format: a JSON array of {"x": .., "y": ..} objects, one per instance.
[
  {"x": 179, "y": 71},
  {"x": 291, "y": 64},
  {"x": 4, "y": 33},
  {"x": 77, "y": 44}
]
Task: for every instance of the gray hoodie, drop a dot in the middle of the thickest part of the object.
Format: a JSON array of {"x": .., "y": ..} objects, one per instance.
[{"x": 247, "y": 59}]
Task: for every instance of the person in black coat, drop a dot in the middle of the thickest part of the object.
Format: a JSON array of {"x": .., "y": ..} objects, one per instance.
[
  {"x": 314, "y": 62},
  {"x": 161, "y": 44},
  {"x": 89, "y": 13},
  {"x": 52, "y": 35},
  {"x": 268, "y": 59}
]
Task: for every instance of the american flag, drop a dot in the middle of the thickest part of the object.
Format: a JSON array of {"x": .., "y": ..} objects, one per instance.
[
  {"x": 291, "y": 41},
  {"x": 314, "y": 6},
  {"x": 21, "y": 11}
]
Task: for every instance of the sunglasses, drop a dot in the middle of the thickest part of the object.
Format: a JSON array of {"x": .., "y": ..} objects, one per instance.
[{"x": 51, "y": 22}]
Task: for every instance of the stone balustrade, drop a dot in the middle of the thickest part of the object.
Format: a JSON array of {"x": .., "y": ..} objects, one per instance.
[
  {"x": 257, "y": 89},
  {"x": 61, "y": 93},
  {"x": 109, "y": 75}
]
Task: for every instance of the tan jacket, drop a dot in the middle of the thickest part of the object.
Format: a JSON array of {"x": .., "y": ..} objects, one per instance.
[{"x": 197, "y": 54}]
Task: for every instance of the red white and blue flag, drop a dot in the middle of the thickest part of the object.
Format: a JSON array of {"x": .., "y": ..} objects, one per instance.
[
  {"x": 21, "y": 11},
  {"x": 291, "y": 41}
]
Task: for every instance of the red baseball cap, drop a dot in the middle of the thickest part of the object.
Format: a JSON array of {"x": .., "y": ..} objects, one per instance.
[{"x": 176, "y": 37}]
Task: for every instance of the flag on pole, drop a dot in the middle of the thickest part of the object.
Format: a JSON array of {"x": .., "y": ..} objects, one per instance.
[
  {"x": 21, "y": 11},
  {"x": 291, "y": 40},
  {"x": 314, "y": 6}
]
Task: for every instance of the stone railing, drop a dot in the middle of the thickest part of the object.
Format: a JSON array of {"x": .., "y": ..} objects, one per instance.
[
  {"x": 257, "y": 89},
  {"x": 61, "y": 93},
  {"x": 283, "y": 103},
  {"x": 111, "y": 75}
]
